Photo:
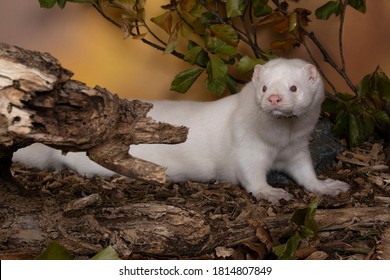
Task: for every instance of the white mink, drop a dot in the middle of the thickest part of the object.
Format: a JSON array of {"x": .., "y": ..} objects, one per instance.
[{"x": 236, "y": 139}]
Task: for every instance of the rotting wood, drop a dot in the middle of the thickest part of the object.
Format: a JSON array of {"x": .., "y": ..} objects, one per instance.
[
  {"x": 40, "y": 103},
  {"x": 155, "y": 222},
  {"x": 384, "y": 245},
  {"x": 338, "y": 219}
]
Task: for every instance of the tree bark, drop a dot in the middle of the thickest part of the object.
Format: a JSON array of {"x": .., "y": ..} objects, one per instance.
[
  {"x": 151, "y": 223},
  {"x": 40, "y": 103}
]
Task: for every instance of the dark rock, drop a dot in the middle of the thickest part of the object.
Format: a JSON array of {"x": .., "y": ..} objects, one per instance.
[{"x": 323, "y": 148}]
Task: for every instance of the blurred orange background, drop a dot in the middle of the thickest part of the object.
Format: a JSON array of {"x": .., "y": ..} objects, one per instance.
[{"x": 98, "y": 54}]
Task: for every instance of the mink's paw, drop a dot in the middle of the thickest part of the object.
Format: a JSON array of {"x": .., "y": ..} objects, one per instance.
[
  {"x": 330, "y": 187},
  {"x": 273, "y": 195}
]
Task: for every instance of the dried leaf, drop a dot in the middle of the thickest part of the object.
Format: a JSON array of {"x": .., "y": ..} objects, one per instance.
[
  {"x": 223, "y": 252},
  {"x": 284, "y": 45},
  {"x": 282, "y": 26},
  {"x": 164, "y": 21},
  {"x": 271, "y": 19},
  {"x": 226, "y": 33}
]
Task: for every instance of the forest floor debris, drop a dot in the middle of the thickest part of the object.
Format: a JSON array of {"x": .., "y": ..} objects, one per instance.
[{"x": 364, "y": 168}]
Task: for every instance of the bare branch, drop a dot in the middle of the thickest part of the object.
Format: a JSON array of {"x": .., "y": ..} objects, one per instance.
[
  {"x": 342, "y": 19},
  {"x": 314, "y": 60},
  {"x": 329, "y": 60}
]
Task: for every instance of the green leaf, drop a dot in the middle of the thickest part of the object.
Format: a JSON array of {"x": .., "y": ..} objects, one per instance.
[
  {"x": 235, "y": 8},
  {"x": 192, "y": 54},
  {"x": 173, "y": 39},
  {"x": 106, "y": 254},
  {"x": 217, "y": 75},
  {"x": 304, "y": 219},
  {"x": 247, "y": 63},
  {"x": 171, "y": 45},
  {"x": 217, "y": 68},
  {"x": 375, "y": 87},
  {"x": 61, "y": 3},
  {"x": 380, "y": 84},
  {"x": 220, "y": 47},
  {"x": 345, "y": 96},
  {"x": 184, "y": 80},
  {"x": 232, "y": 85},
  {"x": 311, "y": 224},
  {"x": 330, "y": 8},
  {"x": 366, "y": 123},
  {"x": 353, "y": 130},
  {"x": 48, "y": 4},
  {"x": 226, "y": 33},
  {"x": 54, "y": 251},
  {"x": 216, "y": 86},
  {"x": 363, "y": 87},
  {"x": 279, "y": 249},
  {"x": 287, "y": 251},
  {"x": 359, "y": 5},
  {"x": 341, "y": 124},
  {"x": 260, "y": 8},
  {"x": 329, "y": 105},
  {"x": 380, "y": 116},
  {"x": 196, "y": 54}
]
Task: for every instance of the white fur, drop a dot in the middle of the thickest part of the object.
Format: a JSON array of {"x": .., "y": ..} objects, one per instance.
[{"x": 236, "y": 139}]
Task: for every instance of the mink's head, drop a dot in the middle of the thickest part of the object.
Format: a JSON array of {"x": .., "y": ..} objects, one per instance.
[{"x": 288, "y": 88}]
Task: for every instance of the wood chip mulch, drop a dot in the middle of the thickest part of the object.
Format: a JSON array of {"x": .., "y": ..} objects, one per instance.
[{"x": 364, "y": 168}]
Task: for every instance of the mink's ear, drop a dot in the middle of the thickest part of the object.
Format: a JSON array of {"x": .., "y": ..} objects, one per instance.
[
  {"x": 257, "y": 72},
  {"x": 312, "y": 72}
]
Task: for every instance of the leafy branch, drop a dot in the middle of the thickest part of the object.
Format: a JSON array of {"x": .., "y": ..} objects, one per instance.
[{"x": 217, "y": 32}]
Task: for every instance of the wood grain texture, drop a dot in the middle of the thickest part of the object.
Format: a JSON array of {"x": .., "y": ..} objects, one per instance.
[{"x": 40, "y": 103}]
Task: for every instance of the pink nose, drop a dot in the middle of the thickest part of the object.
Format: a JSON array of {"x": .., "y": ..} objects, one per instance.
[{"x": 274, "y": 99}]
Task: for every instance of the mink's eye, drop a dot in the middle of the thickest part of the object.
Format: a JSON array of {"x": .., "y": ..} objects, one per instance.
[
  {"x": 264, "y": 89},
  {"x": 293, "y": 88}
]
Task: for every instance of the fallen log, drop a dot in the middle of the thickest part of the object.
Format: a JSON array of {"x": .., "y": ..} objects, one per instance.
[
  {"x": 40, "y": 103},
  {"x": 158, "y": 222}
]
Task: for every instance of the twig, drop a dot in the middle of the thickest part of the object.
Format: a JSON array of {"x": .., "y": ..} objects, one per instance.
[
  {"x": 279, "y": 6},
  {"x": 342, "y": 19},
  {"x": 217, "y": 6},
  {"x": 257, "y": 50},
  {"x": 145, "y": 41},
  {"x": 329, "y": 60},
  {"x": 184, "y": 19},
  {"x": 318, "y": 67},
  {"x": 148, "y": 29},
  {"x": 101, "y": 12},
  {"x": 246, "y": 30},
  {"x": 327, "y": 57},
  {"x": 314, "y": 60}
]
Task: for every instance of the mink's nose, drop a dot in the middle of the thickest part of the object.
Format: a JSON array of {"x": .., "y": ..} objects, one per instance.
[{"x": 274, "y": 99}]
